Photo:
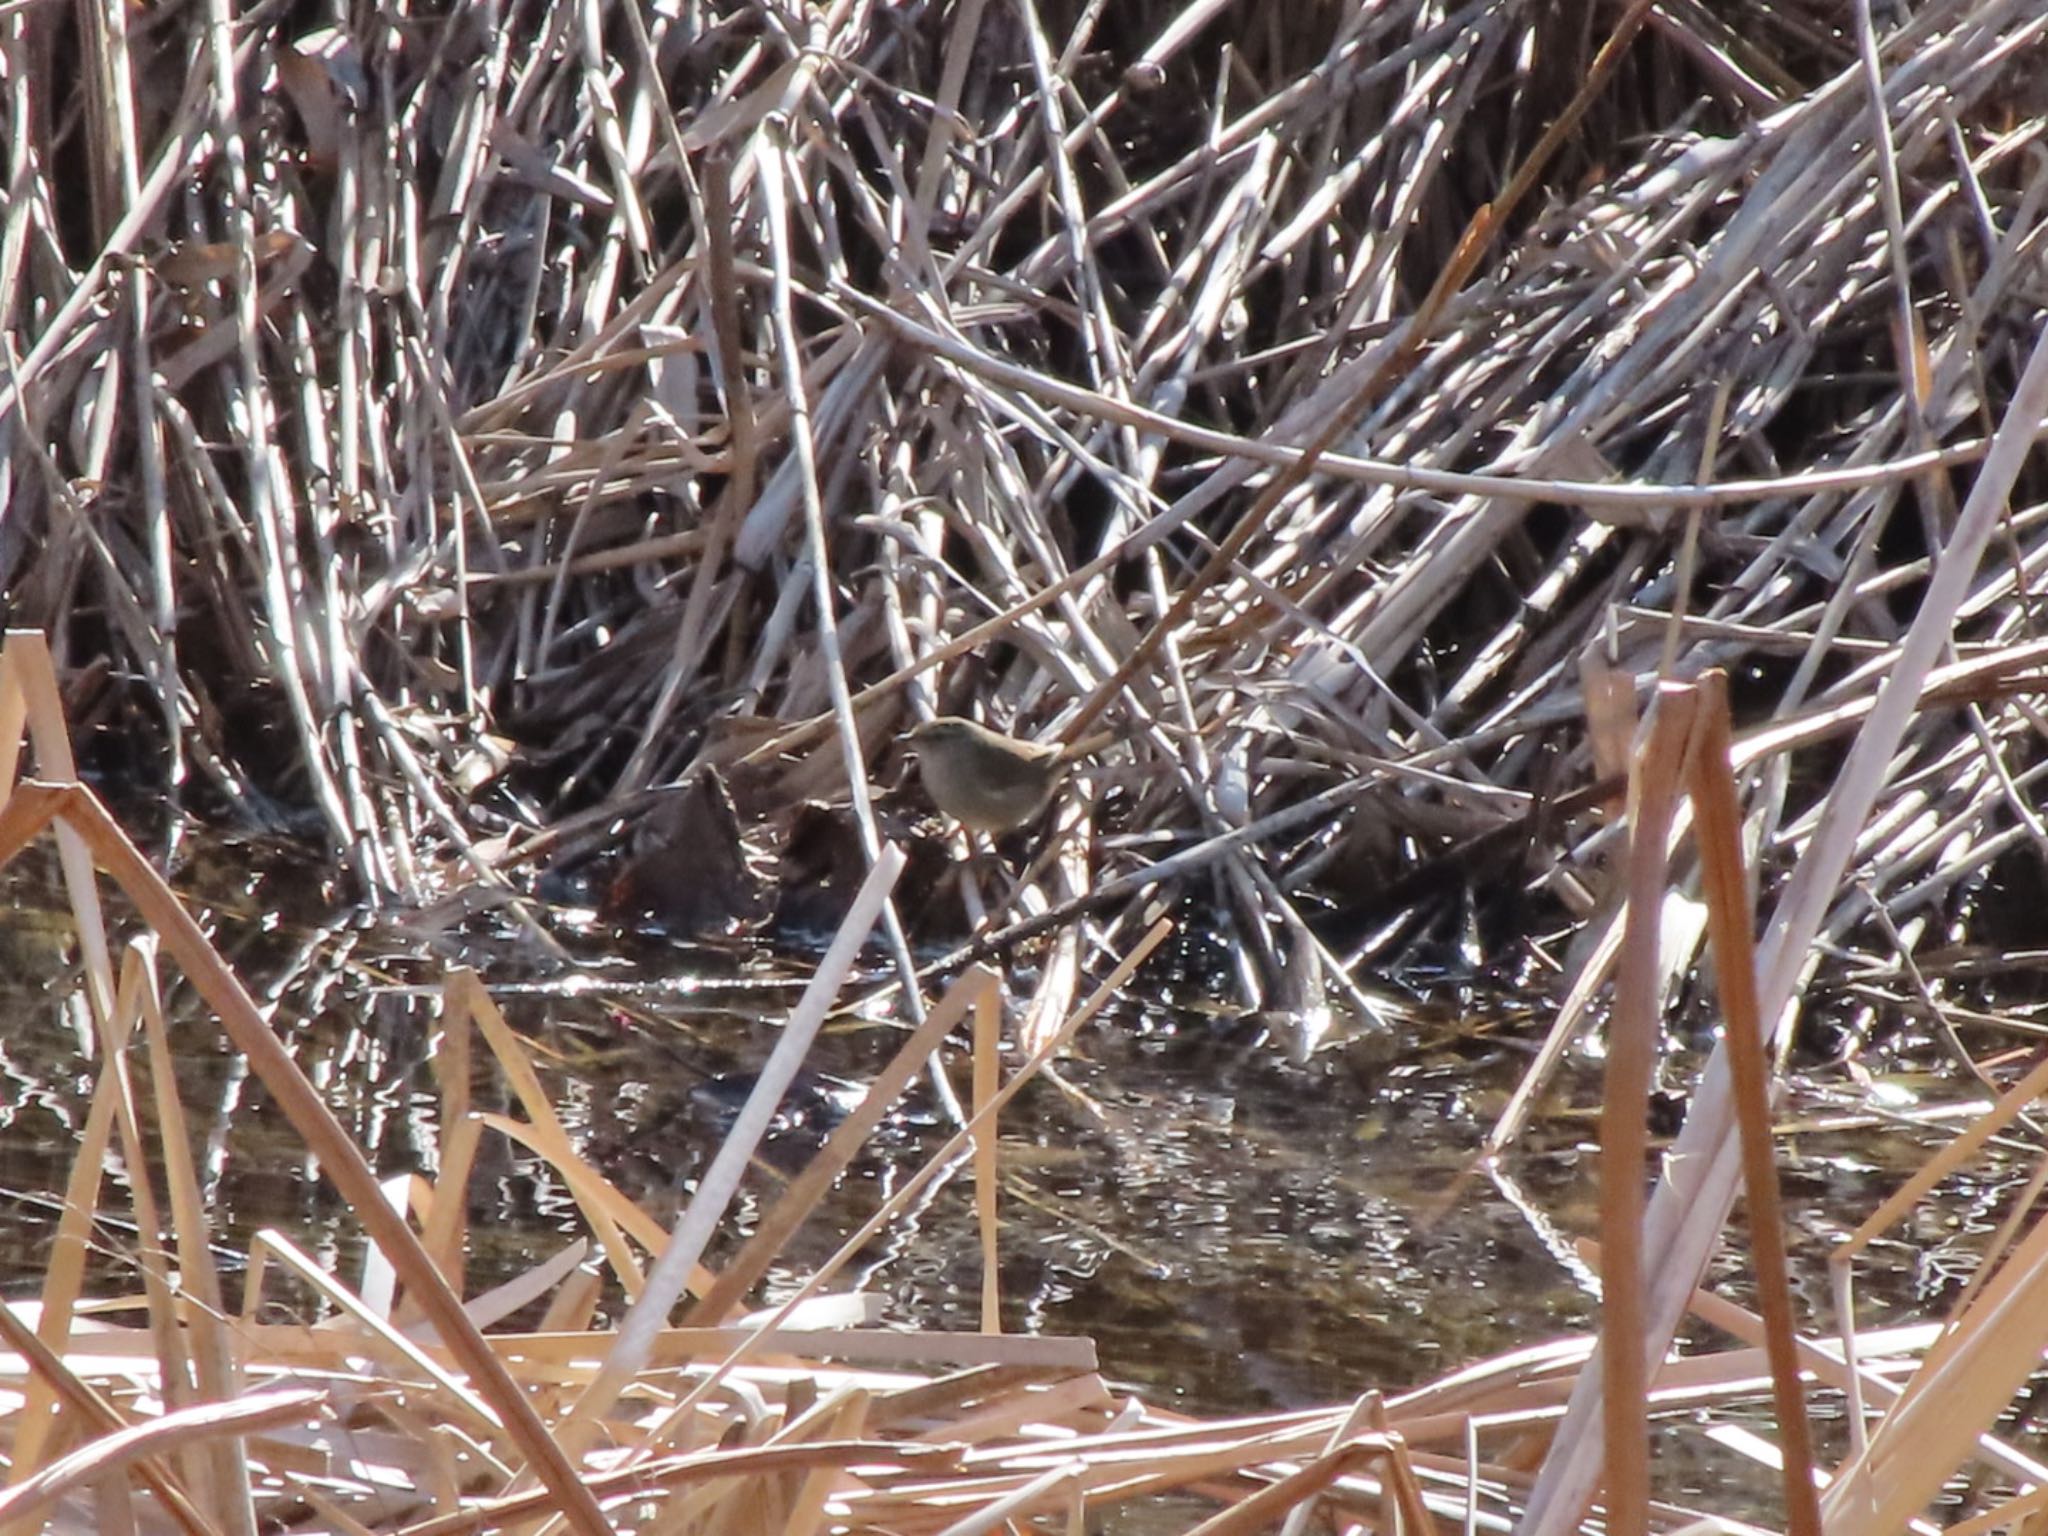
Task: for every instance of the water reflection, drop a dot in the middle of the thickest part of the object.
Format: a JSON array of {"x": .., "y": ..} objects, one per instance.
[{"x": 1236, "y": 1231}]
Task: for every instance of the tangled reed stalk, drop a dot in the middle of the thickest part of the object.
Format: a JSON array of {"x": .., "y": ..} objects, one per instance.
[{"x": 424, "y": 428}]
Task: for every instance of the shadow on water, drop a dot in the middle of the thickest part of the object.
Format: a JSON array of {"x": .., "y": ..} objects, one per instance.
[{"x": 1235, "y": 1231}]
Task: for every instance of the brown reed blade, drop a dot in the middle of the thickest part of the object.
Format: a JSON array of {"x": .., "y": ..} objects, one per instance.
[
  {"x": 1633, "y": 1031},
  {"x": 1718, "y": 817}
]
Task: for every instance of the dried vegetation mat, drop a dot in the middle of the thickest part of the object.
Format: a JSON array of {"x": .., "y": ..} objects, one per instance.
[{"x": 437, "y": 436}]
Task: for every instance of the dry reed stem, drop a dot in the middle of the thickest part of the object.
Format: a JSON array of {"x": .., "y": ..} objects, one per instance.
[
  {"x": 988, "y": 1065},
  {"x": 679, "y": 1255},
  {"x": 1711, "y": 785},
  {"x": 1655, "y": 785},
  {"x": 978, "y": 989}
]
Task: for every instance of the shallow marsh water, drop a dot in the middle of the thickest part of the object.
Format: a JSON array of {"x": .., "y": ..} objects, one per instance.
[{"x": 1235, "y": 1231}]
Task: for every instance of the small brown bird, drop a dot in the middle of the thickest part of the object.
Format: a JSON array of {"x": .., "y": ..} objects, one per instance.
[{"x": 986, "y": 781}]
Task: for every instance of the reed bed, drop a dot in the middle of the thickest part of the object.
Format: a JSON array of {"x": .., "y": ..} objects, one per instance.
[
  {"x": 432, "y": 436},
  {"x": 1498, "y": 468}
]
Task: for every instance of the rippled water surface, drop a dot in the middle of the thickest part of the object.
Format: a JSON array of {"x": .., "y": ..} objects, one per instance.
[{"x": 1235, "y": 1230}]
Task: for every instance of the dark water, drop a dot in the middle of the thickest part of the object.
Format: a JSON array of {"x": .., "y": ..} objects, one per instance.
[{"x": 1236, "y": 1231}]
